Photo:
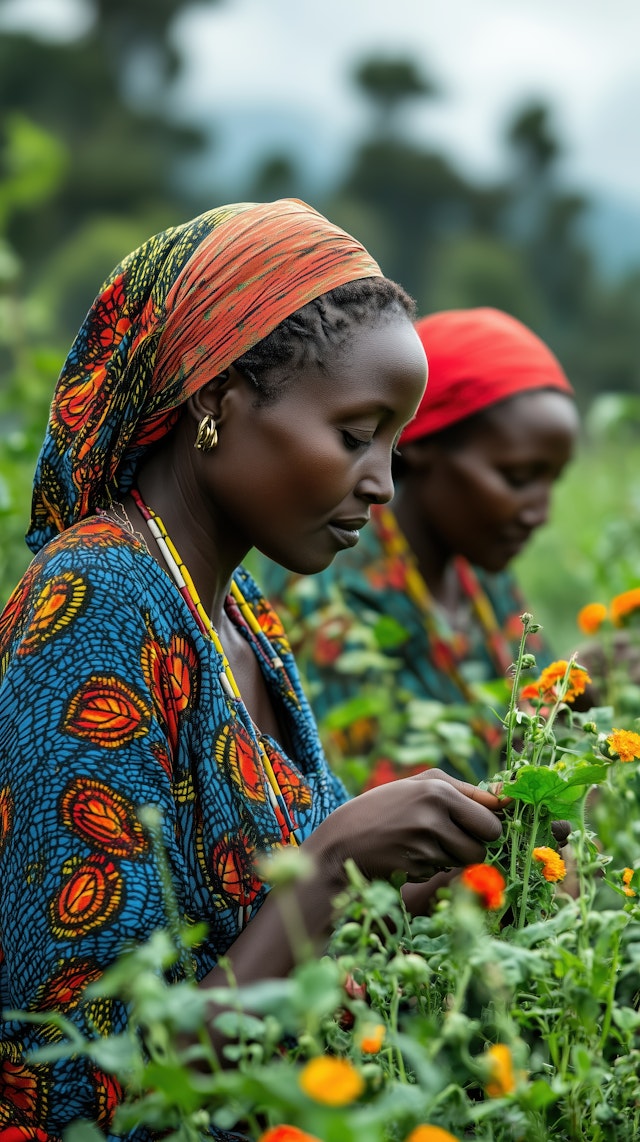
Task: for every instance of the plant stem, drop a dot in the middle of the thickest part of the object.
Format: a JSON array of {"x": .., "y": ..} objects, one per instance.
[
  {"x": 527, "y": 867},
  {"x": 511, "y": 712},
  {"x": 611, "y": 990}
]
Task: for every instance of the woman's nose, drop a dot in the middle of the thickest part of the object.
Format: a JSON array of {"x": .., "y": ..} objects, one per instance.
[
  {"x": 376, "y": 484},
  {"x": 534, "y": 512}
]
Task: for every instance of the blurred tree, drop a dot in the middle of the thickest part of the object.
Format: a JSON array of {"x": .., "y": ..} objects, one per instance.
[
  {"x": 390, "y": 84},
  {"x": 106, "y": 96}
]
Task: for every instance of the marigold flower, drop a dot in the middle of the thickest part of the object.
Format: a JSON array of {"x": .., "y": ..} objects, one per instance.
[
  {"x": 591, "y": 617},
  {"x": 625, "y": 743},
  {"x": 428, "y": 1133},
  {"x": 372, "y": 1038},
  {"x": 545, "y": 688},
  {"x": 333, "y": 1082},
  {"x": 487, "y": 882},
  {"x": 623, "y": 606},
  {"x": 553, "y": 866},
  {"x": 502, "y": 1075},
  {"x": 286, "y": 1133},
  {"x": 627, "y": 877}
]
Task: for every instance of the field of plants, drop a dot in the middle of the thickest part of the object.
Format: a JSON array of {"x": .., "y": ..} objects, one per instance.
[{"x": 512, "y": 1012}]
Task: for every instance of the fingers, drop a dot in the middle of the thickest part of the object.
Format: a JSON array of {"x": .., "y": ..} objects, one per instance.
[
  {"x": 471, "y": 816},
  {"x": 480, "y": 796}
]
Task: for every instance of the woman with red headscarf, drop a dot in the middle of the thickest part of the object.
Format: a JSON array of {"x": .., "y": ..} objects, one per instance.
[
  {"x": 425, "y": 608},
  {"x": 240, "y": 380}
]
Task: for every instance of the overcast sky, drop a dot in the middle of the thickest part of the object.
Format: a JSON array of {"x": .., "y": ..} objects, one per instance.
[
  {"x": 250, "y": 62},
  {"x": 487, "y": 55}
]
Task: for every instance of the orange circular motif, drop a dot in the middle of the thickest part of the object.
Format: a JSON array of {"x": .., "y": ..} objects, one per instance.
[
  {"x": 6, "y": 815},
  {"x": 233, "y": 870},
  {"x": 296, "y": 794},
  {"x": 23, "y": 1133},
  {"x": 108, "y": 712},
  {"x": 234, "y": 748},
  {"x": 64, "y": 991},
  {"x": 76, "y": 394},
  {"x": 95, "y": 811},
  {"x": 21, "y": 1087},
  {"x": 182, "y": 667},
  {"x": 90, "y": 898},
  {"x": 56, "y": 606},
  {"x": 108, "y": 1094}
]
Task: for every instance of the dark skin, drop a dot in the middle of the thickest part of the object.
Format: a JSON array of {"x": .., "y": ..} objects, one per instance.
[
  {"x": 296, "y": 478},
  {"x": 483, "y": 495}
]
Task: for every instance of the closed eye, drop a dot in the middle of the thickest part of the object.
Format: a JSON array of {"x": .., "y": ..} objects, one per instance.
[{"x": 353, "y": 442}]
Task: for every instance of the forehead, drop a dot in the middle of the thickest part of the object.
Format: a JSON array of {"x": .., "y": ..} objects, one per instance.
[
  {"x": 537, "y": 418},
  {"x": 382, "y": 362}
]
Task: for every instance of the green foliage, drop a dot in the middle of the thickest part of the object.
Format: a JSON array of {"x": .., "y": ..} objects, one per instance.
[{"x": 510, "y": 1011}]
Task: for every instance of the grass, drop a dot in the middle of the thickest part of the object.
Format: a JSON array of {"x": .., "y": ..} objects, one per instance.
[{"x": 590, "y": 549}]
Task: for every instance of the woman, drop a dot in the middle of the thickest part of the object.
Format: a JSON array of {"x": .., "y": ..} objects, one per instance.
[
  {"x": 475, "y": 471},
  {"x": 239, "y": 380}
]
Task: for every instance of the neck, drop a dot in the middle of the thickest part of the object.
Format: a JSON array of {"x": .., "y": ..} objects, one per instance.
[
  {"x": 434, "y": 559},
  {"x": 200, "y": 539}
]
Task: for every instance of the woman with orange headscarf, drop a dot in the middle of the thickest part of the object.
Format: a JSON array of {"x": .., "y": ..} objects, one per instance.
[
  {"x": 239, "y": 380},
  {"x": 425, "y": 607}
]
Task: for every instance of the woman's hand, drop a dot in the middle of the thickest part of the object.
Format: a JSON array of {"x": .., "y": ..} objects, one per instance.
[{"x": 417, "y": 825}]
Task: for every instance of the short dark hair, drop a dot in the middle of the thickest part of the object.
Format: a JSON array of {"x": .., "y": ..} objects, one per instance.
[{"x": 326, "y": 322}]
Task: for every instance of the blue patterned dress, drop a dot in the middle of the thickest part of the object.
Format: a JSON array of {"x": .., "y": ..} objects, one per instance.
[{"x": 110, "y": 699}]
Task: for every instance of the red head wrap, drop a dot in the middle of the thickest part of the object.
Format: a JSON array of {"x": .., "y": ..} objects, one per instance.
[{"x": 476, "y": 358}]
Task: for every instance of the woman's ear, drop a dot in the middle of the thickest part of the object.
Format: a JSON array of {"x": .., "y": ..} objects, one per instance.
[{"x": 208, "y": 400}]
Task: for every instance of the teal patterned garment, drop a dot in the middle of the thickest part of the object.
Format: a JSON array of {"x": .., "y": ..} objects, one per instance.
[
  {"x": 367, "y": 638},
  {"x": 125, "y": 708}
]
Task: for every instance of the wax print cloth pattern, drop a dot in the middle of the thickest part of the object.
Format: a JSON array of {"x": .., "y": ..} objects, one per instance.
[
  {"x": 112, "y": 697},
  {"x": 367, "y": 585},
  {"x": 126, "y": 708}
]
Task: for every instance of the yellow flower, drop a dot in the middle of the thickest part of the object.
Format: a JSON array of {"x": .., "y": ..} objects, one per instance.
[
  {"x": 591, "y": 617},
  {"x": 553, "y": 866},
  {"x": 428, "y": 1133},
  {"x": 623, "y": 606},
  {"x": 627, "y": 877},
  {"x": 332, "y": 1082},
  {"x": 372, "y": 1038},
  {"x": 545, "y": 689},
  {"x": 625, "y": 743},
  {"x": 502, "y": 1075}
]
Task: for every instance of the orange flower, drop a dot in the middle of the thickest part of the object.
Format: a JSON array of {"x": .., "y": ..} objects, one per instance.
[
  {"x": 553, "y": 866},
  {"x": 545, "y": 689},
  {"x": 591, "y": 617},
  {"x": 487, "y": 882},
  {"x": 624, "y": 605},
  {"x": 430, "y": 1134},
  {"x": 333, "y": 1082},
  {"x": 372, "y": 1038},
  {"x": 627, "y": 877},
  {"x": 502, "y": 1075},
  {"x": 625, "y": 743},
  {"x": 286, "y": 1133}
]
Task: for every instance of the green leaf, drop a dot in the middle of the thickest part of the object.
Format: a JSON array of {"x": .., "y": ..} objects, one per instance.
[
  {"x": 389, "y": 633},
  {"x": 544, "y": 787}
]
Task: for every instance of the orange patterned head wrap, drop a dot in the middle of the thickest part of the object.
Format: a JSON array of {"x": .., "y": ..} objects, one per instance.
[
  {"x": 476, "y": 358},
  {"x": 173, "y": 315}
]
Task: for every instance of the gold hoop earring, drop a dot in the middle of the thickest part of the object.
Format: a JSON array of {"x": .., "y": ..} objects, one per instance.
[{"x": 207, "y": 434}]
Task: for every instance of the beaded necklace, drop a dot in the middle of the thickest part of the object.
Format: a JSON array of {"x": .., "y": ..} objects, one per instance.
[
  {"x": 396, "y": 546},
  {"x": 183, "y": 581}
]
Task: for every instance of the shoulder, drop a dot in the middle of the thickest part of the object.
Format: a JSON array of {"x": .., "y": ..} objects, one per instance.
[{"x": 92, "y": 571}]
